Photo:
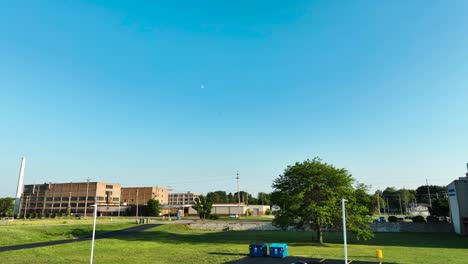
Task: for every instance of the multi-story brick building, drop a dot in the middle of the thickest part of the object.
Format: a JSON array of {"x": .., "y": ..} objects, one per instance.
[
  {"x": 77, "y": 196},
  {"x": 182, "y": 198},
  {"x": 141, "y": 195}
]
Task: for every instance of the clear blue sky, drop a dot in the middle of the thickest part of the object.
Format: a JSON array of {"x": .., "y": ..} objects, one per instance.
[{"x": 186, "y": 94}]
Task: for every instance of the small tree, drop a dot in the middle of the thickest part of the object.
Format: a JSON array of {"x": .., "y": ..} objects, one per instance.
[
  {"x": 153, "y": 207},
  {"x": 68, "y": 211},
  {"x": 202, "y": 206}
]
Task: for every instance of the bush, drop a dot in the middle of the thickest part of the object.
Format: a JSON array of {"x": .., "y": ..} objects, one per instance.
[
  {"x": 268, "y": 211},
  {"x": 432, "y": 219},
  {"x": 213, "y": 217},
  {"x": 248, "y": 213},
  {"x": 393, "y": 219},
  {"x": 418, "y": 219}
]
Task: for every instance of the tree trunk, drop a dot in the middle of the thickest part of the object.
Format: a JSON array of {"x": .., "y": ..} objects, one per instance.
[{"x": 319, "y": 234}]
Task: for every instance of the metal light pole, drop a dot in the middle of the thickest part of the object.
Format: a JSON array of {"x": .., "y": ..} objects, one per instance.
[
  {"x": 238, "y": 195},
  {"x": 94, "y": 234},
  {"x": 86, "y": 201},
  {"x": 169, "y": 189},
  {"x": 343, "y": 200}
]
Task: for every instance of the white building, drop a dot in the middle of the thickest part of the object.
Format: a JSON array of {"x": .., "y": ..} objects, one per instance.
[{"x": 458, "y": 201}]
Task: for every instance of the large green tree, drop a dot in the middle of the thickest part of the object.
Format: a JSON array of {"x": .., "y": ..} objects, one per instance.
[
  {"x": 217, "y": 197},
  {"x": 202, "y": 206},
  {"x": 153, "y": 207},
  {"x": 263, "y": 198},
  {"x": 440, "y": 207},
  {"x": 6, "y": 205},
  {"x": 422, "y": 195},
  {"x": 310, "y": 193}
]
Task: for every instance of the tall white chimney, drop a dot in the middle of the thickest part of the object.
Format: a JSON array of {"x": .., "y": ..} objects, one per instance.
[{"x": 19, "y": 189}]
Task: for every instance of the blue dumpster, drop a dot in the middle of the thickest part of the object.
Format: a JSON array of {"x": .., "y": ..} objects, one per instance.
[
  {"x": 258, "y": 250},
  {"x": 278, "y": 250}
]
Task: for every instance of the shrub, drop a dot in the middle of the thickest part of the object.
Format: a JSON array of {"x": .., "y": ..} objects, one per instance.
[
  {"x": 418, "y": 219},
  {"x": 432, "y": 219},
  {"x": 392, "y": 219},
  {"x": 268, "y": 211},
  {"x": 213, "y": 217}
]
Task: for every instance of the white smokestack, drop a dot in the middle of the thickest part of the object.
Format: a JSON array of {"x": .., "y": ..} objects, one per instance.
[{"x": 19, "y": 189}]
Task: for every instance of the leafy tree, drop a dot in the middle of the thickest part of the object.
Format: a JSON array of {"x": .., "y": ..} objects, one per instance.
[
  {"x": 217, "y": 197},
  {"x": 153, "y": 207},
  {"x": 406, "y": 197},
  {"x": 68, "y": 211},
  {"x": 435, "y": 190},
  {"x": 440, "y": 207},
  {"x": 310, "y": 195},
  {"x": 202, "y": 206},
  {"x": 230, "y": 198},
  {"x": 263, "y": 198},
  {"x": 6, "y": 205}
]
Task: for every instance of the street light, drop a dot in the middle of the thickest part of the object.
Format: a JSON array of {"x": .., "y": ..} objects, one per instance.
[
  {"x": 343, "y": 200},
  {"x": 169, "y": 189},
  {"x": 94, "y": 233}
]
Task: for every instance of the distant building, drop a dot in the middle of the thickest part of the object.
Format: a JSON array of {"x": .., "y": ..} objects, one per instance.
[
  {"x": 77, "y": 196},
  {"x": 418, "y": 209},
  {"x": 458, "y": 201},
  {"x": 141, "y": 195},
  {"x": 182, "y": 198},
  {"x": 234, "y": 209}
]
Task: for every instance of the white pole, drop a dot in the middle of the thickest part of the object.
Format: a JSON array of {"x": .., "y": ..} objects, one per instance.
[
  {"x": 19, "y": 188},
  {"x": 238, "y": 197},
  {"x": 94, "y": 233},
  {"x": 343, "y": 200}
]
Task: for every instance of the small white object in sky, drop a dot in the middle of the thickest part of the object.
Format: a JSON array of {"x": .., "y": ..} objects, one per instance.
[{"x": 202, "y": 86}]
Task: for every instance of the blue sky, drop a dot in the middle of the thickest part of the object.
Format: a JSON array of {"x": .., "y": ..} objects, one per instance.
[{"x": 185, "y": 94}]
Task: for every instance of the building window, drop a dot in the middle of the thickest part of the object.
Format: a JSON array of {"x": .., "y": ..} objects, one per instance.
[
  {"x": 115, "y": 199},
  {"x": 109, "y": 186}
]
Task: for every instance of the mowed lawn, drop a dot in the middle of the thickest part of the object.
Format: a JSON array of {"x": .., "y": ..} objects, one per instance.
[{"x": 174, "y": 243}]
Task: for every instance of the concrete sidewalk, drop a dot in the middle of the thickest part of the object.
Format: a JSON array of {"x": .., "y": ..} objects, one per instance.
[{"x": 290, "y": 260}]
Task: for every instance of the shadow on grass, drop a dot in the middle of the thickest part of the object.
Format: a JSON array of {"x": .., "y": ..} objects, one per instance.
[
  {"x": 178, "y": 234},
  {"x": 227, "y": 254}
]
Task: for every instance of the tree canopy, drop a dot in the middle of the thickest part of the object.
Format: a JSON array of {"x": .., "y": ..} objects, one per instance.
[
  {"x": 310, "y": 193},
  {"x": 6, "y": 205},
  {"x": 153, "y": 207},
  {"x": 202, "y": 206}
]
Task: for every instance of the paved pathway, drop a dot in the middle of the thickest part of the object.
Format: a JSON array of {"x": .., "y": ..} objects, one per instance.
[
  {"x": 290, "y": 260},
  {"x": 66, "y": 241}
]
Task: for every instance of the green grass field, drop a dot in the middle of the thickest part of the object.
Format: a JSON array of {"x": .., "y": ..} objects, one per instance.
[{"x": 177, "y": 243}]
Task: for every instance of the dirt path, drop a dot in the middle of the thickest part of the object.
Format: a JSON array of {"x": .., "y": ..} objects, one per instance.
[{"x": 66, "y": 241}]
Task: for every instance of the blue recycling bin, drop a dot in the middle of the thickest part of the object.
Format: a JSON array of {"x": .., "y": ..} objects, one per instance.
[
  {"x": 278, "y": 250},
  {"x": 258, "y": 250}
]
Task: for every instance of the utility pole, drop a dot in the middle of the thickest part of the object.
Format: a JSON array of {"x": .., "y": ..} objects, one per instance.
[
  {"x": 378, "y": 204},
  {"x": 169, "y": 189},
  {"x": 388, "y": 207},
  {"x": 429, "y": 194},
  {"x": 401, "y": 209},
  {"x": 238, "y": 195}
]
